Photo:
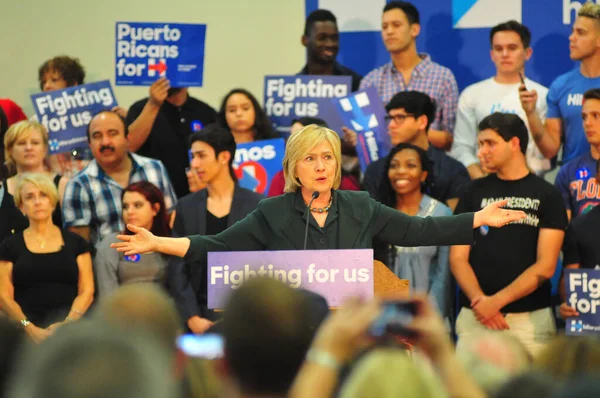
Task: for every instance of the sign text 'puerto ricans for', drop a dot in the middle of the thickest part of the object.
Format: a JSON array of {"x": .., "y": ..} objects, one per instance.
[{"x": 146, "y": 51}]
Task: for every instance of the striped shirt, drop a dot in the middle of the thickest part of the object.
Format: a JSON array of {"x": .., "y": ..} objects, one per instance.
[
  {"x": 427, "y": 77},
  {"x": 92, "y": 198}
]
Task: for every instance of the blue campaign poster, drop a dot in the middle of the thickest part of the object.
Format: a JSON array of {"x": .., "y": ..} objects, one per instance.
[
  {"x": 66, "y": 113},
  {"x": 146, "y": 51},
  {"x": 257, "y": 162},
  {"x": 364, "y": 112},
  {"x": 292, "y": 97},
  {"x": 583, "y": 294}
]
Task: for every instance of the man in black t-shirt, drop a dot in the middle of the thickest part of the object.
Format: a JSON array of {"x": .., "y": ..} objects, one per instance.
[
  {"x": 581, "y": 248},
  {"x": 410, "y": 114},
  {"x": 504, "y": 276},
  {"x": 160, "y": 125}
]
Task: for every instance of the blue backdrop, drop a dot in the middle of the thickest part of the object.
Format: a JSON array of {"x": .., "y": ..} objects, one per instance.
[{"x": 449, "y": 35}]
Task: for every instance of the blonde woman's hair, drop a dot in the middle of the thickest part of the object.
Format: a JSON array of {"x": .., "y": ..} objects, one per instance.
[
  {"x": 590, "y": 10},
  {"x": 390, "y": 373},
  {"x": 41, "y": 182},
  {"x": 302, "y": 142},
  {"x": 15, "y": 133}
]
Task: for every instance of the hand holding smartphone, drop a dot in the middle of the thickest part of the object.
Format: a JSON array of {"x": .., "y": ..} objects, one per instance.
[
  {"x": 395, "y": 319},
  {"x": 523, "y": 87}
]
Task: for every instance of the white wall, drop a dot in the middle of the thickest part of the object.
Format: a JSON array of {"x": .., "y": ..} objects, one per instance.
[{"x": 245, "y": 40}]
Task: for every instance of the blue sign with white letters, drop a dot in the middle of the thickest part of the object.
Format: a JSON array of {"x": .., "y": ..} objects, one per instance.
[
  {"x": 146, "y": 51},
  {"x": 66, "y": 113},
  {"x": 292, "y": 97},
  {"x": 364, "y": 112},
  {"x": 257, "y": 162},
  {"x": 583, "y": 294}
]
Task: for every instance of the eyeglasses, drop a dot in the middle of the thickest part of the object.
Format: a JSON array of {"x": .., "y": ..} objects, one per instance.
[{"x": 397, "y": 118}]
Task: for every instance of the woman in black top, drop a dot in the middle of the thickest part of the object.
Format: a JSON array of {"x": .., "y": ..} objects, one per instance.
[
  {"x": 45, "y": 272},
  {"x": 25, "y": 148}
]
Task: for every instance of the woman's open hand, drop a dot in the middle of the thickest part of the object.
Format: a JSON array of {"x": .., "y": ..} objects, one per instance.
[
  {"x": 494, "y": 215},
  {"x": 142, "y": 242}
]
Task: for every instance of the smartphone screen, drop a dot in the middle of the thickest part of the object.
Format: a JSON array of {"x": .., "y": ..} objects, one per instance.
[
  {"x": 209, "y": 346},
  {"x": 394, "y": 319}
]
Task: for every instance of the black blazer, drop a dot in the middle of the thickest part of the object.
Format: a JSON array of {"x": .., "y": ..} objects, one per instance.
[
  {"x": 278, "y": 224},
  {"x": 187, "y": 282}
]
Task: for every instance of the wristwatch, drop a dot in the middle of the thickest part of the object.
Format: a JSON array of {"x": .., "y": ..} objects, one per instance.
[{"x": 25, "y": 323}]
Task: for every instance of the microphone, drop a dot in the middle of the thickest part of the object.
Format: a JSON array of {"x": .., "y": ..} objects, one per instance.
[{"x": 315, "y": 195}]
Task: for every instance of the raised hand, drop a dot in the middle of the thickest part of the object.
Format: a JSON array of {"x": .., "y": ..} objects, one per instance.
[
  {"x": 142, "y": 242},
  {"x": 528, "y": 99},
  {"x": 494, "y": 215},
  {"x": 159, "y": 91}
]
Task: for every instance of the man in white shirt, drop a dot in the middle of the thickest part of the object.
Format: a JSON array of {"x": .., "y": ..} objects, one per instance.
[{"x": 510, "y": 43}]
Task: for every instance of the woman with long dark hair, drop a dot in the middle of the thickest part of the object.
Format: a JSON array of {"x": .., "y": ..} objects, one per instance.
[
  {"x": 241, "y": 114},
  {"x": 408, "y": 174},
  {"x": 143, "y": 206}
]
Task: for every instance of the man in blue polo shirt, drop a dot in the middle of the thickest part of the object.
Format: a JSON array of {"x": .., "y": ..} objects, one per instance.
[{"x": 563, "y": 121}]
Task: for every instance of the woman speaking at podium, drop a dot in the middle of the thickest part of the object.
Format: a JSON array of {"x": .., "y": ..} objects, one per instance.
[{"x": 313, "y": 214}]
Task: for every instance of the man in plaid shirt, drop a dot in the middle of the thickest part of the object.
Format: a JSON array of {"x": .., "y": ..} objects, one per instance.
[
  {"x": 410, "y": 70},
  {"x": 92, "y": 200}
]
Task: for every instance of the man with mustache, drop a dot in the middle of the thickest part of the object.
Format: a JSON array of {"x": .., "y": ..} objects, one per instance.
[
  {"x": 161, "y": 124},
  {"x": 92, "y": 201}
]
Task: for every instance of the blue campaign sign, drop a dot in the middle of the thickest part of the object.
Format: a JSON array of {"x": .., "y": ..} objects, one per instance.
[
  {"x": 292, "y": 97},
  {"x": 257, "y": 162},
  {"x": 66, "y": 113},
  {"x": 146, "y": 51},
  {"x": 364, "y": 112},
  {"x": 583, "y": 294}
]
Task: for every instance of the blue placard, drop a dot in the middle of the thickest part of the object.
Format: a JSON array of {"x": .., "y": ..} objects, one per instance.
[
  {"x": 292, "y": 97},
  {"x": 66, "y": 113},
  {"x": 583, "y": 294},
  {"x": 257, "y": 162},
  {"x": 364, "y": 112},
  {"x": 146, "y": 51}
]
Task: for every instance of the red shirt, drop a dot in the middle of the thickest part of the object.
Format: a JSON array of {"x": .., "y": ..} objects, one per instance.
[{"x": 13, "y": 112}]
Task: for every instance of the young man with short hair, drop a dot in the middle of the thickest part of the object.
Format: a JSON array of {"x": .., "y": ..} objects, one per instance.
[
  {"x": 511, "y": 49},
  {"x": 206, "y": 212},
  {"x": 563, "y": 121},
  {"x": 322, "y": 41},
  {"x": 504, "y": 275},
  {"x": 410, "y": 70},
  {"x": 410, "y": 114},
  {"x": 577, "y": 180}
]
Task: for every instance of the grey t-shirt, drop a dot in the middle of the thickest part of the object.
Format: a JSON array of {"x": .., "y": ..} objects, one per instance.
[{"x": 113, "y": 269}]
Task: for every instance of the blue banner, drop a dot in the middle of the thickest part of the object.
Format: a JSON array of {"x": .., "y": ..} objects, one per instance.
[
  {"x": 66, "y": 113},
  {"x": 257, "y": 162},
  {"x": 583, "y": 294},
  {"x": 147, "y": 51},
  {"x": 292, "y": 97},
  {"x": 364, "y": 112}
]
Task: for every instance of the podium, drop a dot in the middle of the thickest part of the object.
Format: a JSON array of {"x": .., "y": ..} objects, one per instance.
[{"x": 386, "y": 283}]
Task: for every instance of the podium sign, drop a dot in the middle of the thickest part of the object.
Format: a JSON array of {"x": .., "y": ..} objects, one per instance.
[{"x": 334, "y": 274}]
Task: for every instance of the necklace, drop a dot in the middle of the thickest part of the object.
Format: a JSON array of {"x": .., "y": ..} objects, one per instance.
[
  {"x": 42, "y": 244},
  {"x": 322, "y": 209}
]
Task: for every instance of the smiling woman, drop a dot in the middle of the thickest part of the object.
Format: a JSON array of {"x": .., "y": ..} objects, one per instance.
[{"x": 408, "y": 174}]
